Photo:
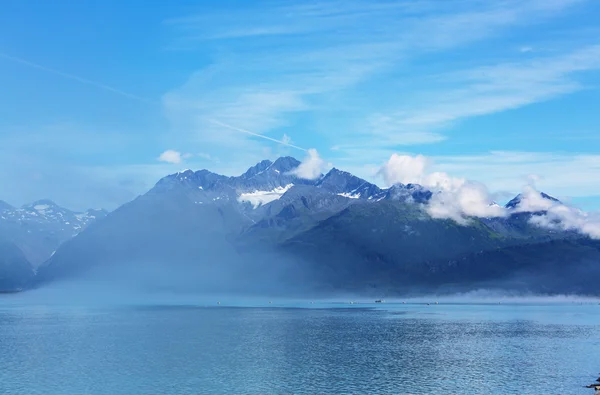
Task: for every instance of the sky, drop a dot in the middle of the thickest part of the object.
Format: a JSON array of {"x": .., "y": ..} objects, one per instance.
[{"x": 99, "y": 100}]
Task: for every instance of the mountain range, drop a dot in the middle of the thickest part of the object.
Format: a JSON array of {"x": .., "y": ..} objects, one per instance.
[
  {"x": 270, "y": 231},
  {"x": 30, "y": 234}
]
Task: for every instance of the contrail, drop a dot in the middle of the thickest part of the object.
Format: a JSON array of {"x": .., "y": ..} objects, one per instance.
[
  {"x": 119, "y": 92},
  {"x": 75, "y": 78},
  {"x": 255, "y": 134}
]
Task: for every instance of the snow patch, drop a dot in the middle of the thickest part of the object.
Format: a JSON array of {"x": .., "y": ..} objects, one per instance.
[
  {"x": 258, "y": 198},
  {"x": 41, "y": 207},
  {"x": 350, "y": 195}
]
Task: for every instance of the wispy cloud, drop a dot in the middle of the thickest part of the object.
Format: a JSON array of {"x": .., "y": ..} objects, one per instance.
[
  {"x": 490, "y": 89},
  {"x": 368, "y": 77},
  {"x": 74, "y": 77},
  {"x": 343, "y": 67},
  {"x": 285, "y": 140},
  {"x": 131, "y": 96}
]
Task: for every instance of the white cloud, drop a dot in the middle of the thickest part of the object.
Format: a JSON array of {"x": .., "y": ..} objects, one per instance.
[
  {"x": 311, "y": 167},
  {"x": 171, "y": 156},
  {"x": 531, "y": 200},
  {"x": 462, "y": 200},
  {"x": 563, "y": 217},
  {"x": 453, "y": 198},
  {"x": 404, "y": 169},
  {"x": 554, "y": 214},
  {"x": 458, "y": 199}
]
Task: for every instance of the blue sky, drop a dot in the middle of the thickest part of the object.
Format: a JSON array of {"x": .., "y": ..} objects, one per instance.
[{"x": 496, "y": 91}]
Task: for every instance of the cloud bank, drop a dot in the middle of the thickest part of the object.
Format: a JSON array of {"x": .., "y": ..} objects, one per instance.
[
  {"x": 453, "y": 198},
  {"x": 460, "y": 199}
]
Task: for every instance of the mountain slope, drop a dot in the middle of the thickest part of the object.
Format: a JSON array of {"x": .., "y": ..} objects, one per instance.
[
  {"x": 336, "y": 233},
  {"x": 15, "y": 270},
  {"x": 40, "y": 227},
  {"x": 345, "y": 184},
  {"x": 560, "y": 266},
  {"x": 156, "y": 228},
  {"x": 517, "y": 201},
  {"x": 363, "y": 242}
]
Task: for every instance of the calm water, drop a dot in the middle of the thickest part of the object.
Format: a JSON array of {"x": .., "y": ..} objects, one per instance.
[{"x": 400, "y": 349}]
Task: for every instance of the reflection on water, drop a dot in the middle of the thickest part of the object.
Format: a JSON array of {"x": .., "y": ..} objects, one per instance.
[{"x": 406, "y": 349}]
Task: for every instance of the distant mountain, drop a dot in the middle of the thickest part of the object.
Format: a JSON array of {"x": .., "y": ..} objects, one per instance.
[
  {"x": 410, "y": 193},
  {"x": 345, "y": 184},
  {"x": 15, "y": 271},
  {"x": 516, "y": 201},
  {"x": 40, "y": 227},
  {"x": 269, "y": 229}
]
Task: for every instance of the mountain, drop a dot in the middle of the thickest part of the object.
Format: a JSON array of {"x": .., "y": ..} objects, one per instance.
[
  {"x": 268, "y": 229},
  {"x": 516, "y": 202},
  {"x": 37, "y": 229},
  {"x": 361, "y": 244},
  {"x": 15, "y": 271},
  {"x": 188, "y": 217},
  {"x": 411, "y": 193},
  {"x": 273, "y": 175},
  {"x": 345, "y": 184},
  {"x": 557, "y": 266},
  {"x": 151, "y": 230}
]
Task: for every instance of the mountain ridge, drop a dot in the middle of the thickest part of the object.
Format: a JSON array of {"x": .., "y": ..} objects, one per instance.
[
  {"x": 338, "y": 232},
  {"x": 38, "y": 228}
]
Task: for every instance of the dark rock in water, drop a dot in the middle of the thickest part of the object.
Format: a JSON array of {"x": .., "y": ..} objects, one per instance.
[{"x": 595, "y": 387}]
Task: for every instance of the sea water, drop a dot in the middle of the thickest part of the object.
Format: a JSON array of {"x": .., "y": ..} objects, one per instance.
[{"x": 299, "y": 348}]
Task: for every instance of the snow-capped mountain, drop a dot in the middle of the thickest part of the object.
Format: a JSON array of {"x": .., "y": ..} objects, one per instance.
[
  {"x": 268, "y": 181},
  {"x": 47, "y": 213},
  {"x": 345, "y": 184},
  {"x": 40, "y": 227},
  {"x": 338, "y": 232},
  {"x": 261, "y": 184}
]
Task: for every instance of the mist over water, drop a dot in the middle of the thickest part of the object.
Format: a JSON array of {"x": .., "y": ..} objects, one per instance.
[
  {"x": 243, "y": 326},
  {"x": 156, "y": 285}
]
